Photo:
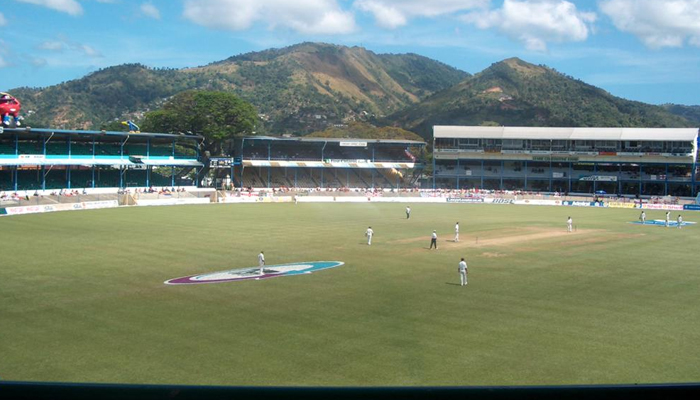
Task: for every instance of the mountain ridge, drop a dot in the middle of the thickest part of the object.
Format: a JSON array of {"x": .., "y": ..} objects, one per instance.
[{"x": 513, "y": 92}]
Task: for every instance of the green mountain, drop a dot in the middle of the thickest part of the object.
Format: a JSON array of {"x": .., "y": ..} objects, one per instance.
[
  {"x": 297, "y": 89},
  {"x": 691, "y": 113},
  {"x": 515, "y": 93}
]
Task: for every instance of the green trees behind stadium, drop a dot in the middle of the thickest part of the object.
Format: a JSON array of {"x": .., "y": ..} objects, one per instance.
[{"x": 217, "y": 116}]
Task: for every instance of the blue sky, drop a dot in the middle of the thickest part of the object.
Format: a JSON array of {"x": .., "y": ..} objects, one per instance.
[{"x": 645, "y": 50}]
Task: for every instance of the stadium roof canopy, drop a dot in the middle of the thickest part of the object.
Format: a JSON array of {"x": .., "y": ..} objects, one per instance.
[
  {"x": 404, "y": 142},
  {"x": 33, "y": 133},
  {"x": 537, "y": 133}
]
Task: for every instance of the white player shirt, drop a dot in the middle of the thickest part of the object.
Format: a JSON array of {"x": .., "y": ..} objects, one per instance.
[
  {"x": 369, "y": 232},
  {"x": 456, "y": 228},
  {"x": 668, "y": 216},
  {"x": 261, "y": 259},
  {"x": 434, "y": 235},
  {"x": 569, "y": 221},
  {"x": 462, "y": 266}
]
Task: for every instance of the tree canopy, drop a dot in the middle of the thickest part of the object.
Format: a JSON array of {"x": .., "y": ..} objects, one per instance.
[{"x": 217, "y": 116}]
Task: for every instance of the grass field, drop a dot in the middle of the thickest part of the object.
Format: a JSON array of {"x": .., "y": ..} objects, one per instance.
[{"x": 82, "y": 297}]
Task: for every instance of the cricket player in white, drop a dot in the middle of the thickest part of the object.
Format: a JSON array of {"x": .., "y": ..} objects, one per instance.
[
  {"x": 643, "y": 217},
  {"x": 408, "y": 212},
  {"x": 457, "y": 232},
  {"x": 668, "y": 218},
  {"x": 433, "y": 240},
  {"x": 261, "y": 262},
  {"x": 462, "y": 268},
  {"x": 369, "y": 234},
  {"x": 569, "y": 224},
  {"x": 680, "y": 221}
]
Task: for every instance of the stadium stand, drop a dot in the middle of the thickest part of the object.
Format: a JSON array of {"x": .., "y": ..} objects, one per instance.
[
  {"x": 46, "y": 159},
  {"x": 623, "y": 161},
  {"x": 270, "y": 162}
]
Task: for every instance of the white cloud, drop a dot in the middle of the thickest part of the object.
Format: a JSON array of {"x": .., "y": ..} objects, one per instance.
[
  {"x": 63, "y": 44},
  {"x": 657, "y": 23},
  {"x": 536, "y": 22},
  {"x": 87, "y": 50},
  {"x": 3, "y": 21},
  {"x": 3, "y": 53},
  {"x": 52, "y": 45},
  {"x": 150, "y": 10},
  {"x": 305, "y": 16},
  {"x": 392, "y": 14},
  {"x": 71, "y": 7}
]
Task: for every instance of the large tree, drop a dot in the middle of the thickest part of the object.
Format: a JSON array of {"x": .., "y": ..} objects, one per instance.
[{"x": 217, "y": 116}]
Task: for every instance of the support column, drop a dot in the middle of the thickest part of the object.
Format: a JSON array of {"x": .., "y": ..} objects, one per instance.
[
  {"x": 172, "y": 172},
  {"x": 503, "y": 167},
  {"x": 666, "y": 182},
  {"x": 482, "y": 175},
  {"x": 68, "y": 173},
  {"x": 525, "y": 166}
]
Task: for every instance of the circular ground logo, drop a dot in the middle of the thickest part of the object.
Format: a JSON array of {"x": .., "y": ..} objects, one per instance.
[{"x": 244, "y": 274}]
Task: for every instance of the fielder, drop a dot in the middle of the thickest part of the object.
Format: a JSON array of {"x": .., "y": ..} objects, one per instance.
[
  {"x": 668, "y": 218},
  {"x": 457, "y": 232},
  {"x": 261, "y": 262},
  {"x": 369, "y": 234},
  {"x": 643, "y": 218},
  {"x": 462, "y": 268},
  {"x": 433, "y": 240},
  {"x": 408, "y": 212},
  {"x": 569, "y": 225},
  {"x": 680, "y": 221}
]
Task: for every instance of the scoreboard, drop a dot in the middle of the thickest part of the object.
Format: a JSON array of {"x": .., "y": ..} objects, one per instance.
[{"x": 224, "y": 162}]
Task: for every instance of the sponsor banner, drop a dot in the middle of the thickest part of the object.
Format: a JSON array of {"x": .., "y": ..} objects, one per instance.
[
  {"x": 353, "y": 144},
  {"x": 616, "y": 204},
  {"x": 498, "y": 201},
  {"x": 24, "y": 210},
  {"x": 172, "y": 202},
  {"x": 555, "y": 159},
  {"x": 31, "y": 157},
  {"x": 557, "y": 174},
  {"x": 328, "y": 164},
  {"x": 464, "y": 200},
  {"x": 583, "y": 203},
  {"x": 692, "y": 207},
  {"x": 599, "y": 178},
  {"x": 363, "y": 199},
  {"x": 93, "y": 205},
  {"x": 538, "y": 202},
  {"x": 662, "y": 206},
  {"x": 60, "y": 207}
]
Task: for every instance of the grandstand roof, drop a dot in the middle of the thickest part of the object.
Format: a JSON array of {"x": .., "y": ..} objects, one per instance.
[
  {"x": 537, "y": 133},
  {"x": 114, "y": 135},
  {"x": 336, "y": 140}
]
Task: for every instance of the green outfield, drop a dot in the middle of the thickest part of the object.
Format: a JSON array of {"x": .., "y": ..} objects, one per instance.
[{"x": 82, "y": 297}]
